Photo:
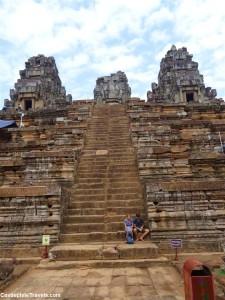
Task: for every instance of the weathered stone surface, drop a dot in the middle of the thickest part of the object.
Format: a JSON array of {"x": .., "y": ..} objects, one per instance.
[
  {"x": 29, "y": 191},
  {"x": 193, "y": 186},
  {"x": 182, "y": 167},
  {"x": 48, "y": 154},
  {"x": 38, "y": 164},
  {"x": 179, "y": 80},
  {"x": 83, "y": 152},
  {"x": 6, "y": 269},
  {"x": 114, "y": 87},
  {"x": 102, "y": 152},
  {"x": 39, "y": 85}
]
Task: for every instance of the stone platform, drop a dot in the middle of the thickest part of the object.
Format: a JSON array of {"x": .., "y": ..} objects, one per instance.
[{"x": 110, "y": 251}]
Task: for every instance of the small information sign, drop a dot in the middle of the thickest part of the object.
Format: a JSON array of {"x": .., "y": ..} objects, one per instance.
[
  {"x": 176, "y": 243},
  {"x": 45, "y": 240}
]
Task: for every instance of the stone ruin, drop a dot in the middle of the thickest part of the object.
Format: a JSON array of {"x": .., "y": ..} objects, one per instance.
[
  {"x": 39, "y": 85},
  {"x": 179, "y": 80},
  {"x": 112, "y": 88},
  {"x": 177, "y": 146}
]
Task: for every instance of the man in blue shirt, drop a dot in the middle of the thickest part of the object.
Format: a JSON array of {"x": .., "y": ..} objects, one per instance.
[{"x": 139, "y": 227}]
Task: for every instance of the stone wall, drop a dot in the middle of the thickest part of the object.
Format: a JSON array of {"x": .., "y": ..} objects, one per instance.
[
  {"x": 37, "y": 168},
  {"x": 181, "y": 166}
]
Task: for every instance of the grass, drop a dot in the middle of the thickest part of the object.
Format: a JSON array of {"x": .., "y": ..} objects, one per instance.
[{"x": 219, "y": 272}]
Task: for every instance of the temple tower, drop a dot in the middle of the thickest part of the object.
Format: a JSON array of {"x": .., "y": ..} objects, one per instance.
[
  {"x": 39, "y": 85},
  {"x": 113, "y": 88},
  {"x": 179, "y": 80}
]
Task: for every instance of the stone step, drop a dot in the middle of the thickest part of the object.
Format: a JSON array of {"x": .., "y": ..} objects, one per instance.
[
  {"x": 83, "y": 219},
  {"x": 111, "y": 174},
  {"x": 106, "y": 197},
  {"x": 136, "y": 196},
  {"x": 96, "y": 124},
  {"x": 106, "y": 211},
  {"x": 114, "y": 157},
  {"x": 91, "y": 180},
  {"x": 113, "y": 152},
  {"x": 94, "y": 236},
  {"x": 88, "y": 192},
  {"x": 124, "y": 141},
  {"x": 88, "y": 185},
  {"x": 121, "y": 151},
  {"x": 104, "y": 204},
  {"x": 131, "y": 161},
  {"x": 72, "y": 219},
  {"x": 123, "y": 190},
  {"x": 124, "y": 180},
  {"x": 27, "y": 260},
  {"x": 109, "y": 170},
  {"x": 92, "y": 227},
  {"x": 114, "y": 191},
  {"x": 108, "y": 130},
  {"x": 87, "y": 204},
  {"x": 118, "y": 184},
  {"x": 100, "y": 197},
  {"x": 88, "y": 237},
  {"x": 113, "y": 137},
  {"x": 91, "y": 175},
  {"x": 128, "y": 184},
  {"x": 121, "y": 180},
  {"x": 125, "y": 203},
  {"x": 110, "y": 251},
  {"x": 103, "y": 263},
  {"x": 92, "y": 157},
  {"x": 122, "y": 162},
  {"x": 122, "y": 168},
  {"x": 22, "y": 252},
  {"x": 121, "y": 143},
  {"x": 82, "y": 228},
  {"x": 92, "y": 168},
  {"x": 86, "y": 163}
]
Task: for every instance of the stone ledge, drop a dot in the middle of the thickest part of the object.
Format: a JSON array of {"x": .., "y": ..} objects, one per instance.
[
  {"x": 119, "y": 263},
  {"x": 193, "y": 186},
  {"x": 48, "y": 154},
  {"x": 29, "y": 191},
  {"x": 12, "y": 162}
]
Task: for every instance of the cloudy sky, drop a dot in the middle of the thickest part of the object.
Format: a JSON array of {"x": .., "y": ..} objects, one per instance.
[{"x": 91, "y": 38}]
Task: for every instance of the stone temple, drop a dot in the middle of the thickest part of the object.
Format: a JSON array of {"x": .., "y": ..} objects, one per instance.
[
  {"x": 74, "y": 173},
  {"x": 179, "y": 80},
  {"x": 39, "y": 85},
  {"x": 112, "y": 88}
]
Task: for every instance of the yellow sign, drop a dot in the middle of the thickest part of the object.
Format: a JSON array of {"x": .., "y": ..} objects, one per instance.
[{"x": 45, "y": 240}]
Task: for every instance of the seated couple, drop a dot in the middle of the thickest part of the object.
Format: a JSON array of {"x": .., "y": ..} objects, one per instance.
[{"x": 134, "y": 226}]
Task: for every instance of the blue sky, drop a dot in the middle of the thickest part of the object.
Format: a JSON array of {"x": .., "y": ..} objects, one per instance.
[{"x": 91, "y": 38}]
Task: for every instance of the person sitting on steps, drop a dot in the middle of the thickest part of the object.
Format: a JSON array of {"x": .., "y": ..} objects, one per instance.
[
  {"x": 139, "y": 227},
  {"x": 129, "y": 224}
]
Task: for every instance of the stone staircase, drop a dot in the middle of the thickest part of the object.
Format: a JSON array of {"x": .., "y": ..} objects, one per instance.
[{"x": 106, "y": 188}]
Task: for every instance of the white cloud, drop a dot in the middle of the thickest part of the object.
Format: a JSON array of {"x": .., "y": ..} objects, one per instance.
[{"x": 95, "y": 38}]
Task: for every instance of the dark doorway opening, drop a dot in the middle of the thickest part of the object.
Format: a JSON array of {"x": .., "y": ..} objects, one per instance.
[
  {"x": 28, "y": 104},
  {"x": 189, "y": 97}
]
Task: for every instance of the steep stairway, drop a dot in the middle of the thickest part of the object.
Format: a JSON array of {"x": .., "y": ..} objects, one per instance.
[{"x": 106, "y": 188}]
